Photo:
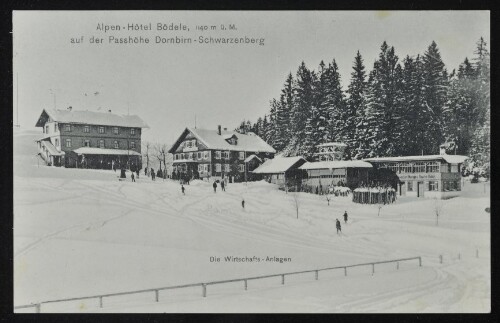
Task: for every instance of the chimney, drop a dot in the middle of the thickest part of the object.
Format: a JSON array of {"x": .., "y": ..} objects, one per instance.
[
  {"x": 219, "y": 130},
  {"x": 70, "y": 108}
]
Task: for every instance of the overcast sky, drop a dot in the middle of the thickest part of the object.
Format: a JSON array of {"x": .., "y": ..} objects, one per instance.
[{"x": 167, "y": 85}]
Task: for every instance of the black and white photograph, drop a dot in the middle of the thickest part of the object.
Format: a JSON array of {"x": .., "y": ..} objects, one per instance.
[{"x": 180, "y": 161}]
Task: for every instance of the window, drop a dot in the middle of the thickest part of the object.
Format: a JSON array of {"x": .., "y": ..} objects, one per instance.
[
  {"x": 132, "y": 131},
  {"x": 55, "y": 127},
  {"x": 101, "y": 143},
  {"x": 454, "y": 168},
  {"x": 190, "y": 155},
  {"x": 432, "y": 167},
  {"x": 409, "y": 186},
  {"x": 217, "y": 168},
  {"x": 101, "y": 130},
  {"x": 207, "y": 155},
  {"x": 68, "y": 143},
  {"x": 241, "y": 168},
  {"x": 217, "y": 155},
  {"x": 419, "y": 167},
  {"x": 242, "y": 155},
  {"x": 57, "y": 142},
  {"x": 67, "y": 127},
  {"x": 225, "y": 154},
  {"x": 86, "y": 143},
  {"x": 47, "y": 129},
  {"x": 226, "y": 168},
  {"x": 181, "y": 156},
  {"x": 116, "y": 144},
  {"x": 132, "y": 144},
  {"x": 115, "y": 130},
  {"x": 198, "y": 155},
  {"x": 86, "y": 129},
  {"x": 200, "y": 168},
  {"x": 433, "y": 186}
]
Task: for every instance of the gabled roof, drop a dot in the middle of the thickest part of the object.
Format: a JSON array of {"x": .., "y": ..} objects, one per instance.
[
  {"x": 91, "y": 117},
  {"x": 279, "y": 165},
  {"x": 452, "y": 159},
  {"x": 336, "y": 164},
  {"x": 249, "y": 158},
  {"x": 212, "y": 140}
]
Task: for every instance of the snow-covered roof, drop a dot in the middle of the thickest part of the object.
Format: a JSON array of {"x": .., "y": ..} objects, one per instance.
[
  {"x": 252, "y": 156},
  {"x": 212, "y": 140},
  {"x": 91, "y": 117},
  {"x": 336, "y": 164},
  {"x": 50, "y": 147},
  {"x": 278, "y": 165},
  {"x": 452, "y": 159},
  {"x": 104, "y": 151}
]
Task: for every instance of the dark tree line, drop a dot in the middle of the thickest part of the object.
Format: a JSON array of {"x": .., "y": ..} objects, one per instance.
[{"x": 406, "y": 106}]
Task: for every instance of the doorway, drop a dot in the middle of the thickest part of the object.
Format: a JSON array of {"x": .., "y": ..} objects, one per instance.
[{"x": 420, "y": 189}]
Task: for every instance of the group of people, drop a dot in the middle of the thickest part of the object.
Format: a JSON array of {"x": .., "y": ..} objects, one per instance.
[
  {"x": 337, "y": 223},
  {"x": 214, "y": 185}
]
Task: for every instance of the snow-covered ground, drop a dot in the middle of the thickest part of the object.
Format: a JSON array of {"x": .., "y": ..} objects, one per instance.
[{"x": 83, "y": 232}]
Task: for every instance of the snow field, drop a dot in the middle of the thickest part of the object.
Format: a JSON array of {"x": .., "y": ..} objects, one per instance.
[{"x": 82, "y": 232}]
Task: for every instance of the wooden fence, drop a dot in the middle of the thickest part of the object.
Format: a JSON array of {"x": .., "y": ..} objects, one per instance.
[{"x": 156, "y": 291}]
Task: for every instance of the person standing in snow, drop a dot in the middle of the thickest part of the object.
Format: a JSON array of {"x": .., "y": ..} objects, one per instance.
[
  {"x": 339, "y": 228},
  {"x": 182, "y": 188},
  {"x": 152, "y": 174},
  {"x": 215, "y": 186},
  {"x": 137, "y": 172},
  {"x": 345, "y": 216},
  {"x": 222, "y": 186},
  {"x": 133, "y": 177},
  {"x": 243, "y": 203}
]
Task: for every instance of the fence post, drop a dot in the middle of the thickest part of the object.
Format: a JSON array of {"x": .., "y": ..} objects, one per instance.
[
  {"x": 397, "y": 265},
  {"x": 100, "y": 301},
  {"x": 157, "y": 295},
  {"x": 440, "y": 259},
  {"x": 316, "y": 275},
  {"x": 38, "y": 307},
  {"x": 204, "y": 290},
  {"x": 246, "y": 284},
  {"x": 477, "y": 253},
  {"x": 373, "y": 269},
  {"x": 282, "y": 279},
  {"x": 420, "y": 261},
  {"x": 345, "y": 271}
]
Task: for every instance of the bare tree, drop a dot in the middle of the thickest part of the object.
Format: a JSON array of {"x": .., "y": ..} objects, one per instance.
[
  {"x": 160, "y": 151},
  {"x": 146, "y": 148},
  {"x": 438, "y": 207},
  {"x": 328, "y": 198},
  {"x": 296, "y": 202}
]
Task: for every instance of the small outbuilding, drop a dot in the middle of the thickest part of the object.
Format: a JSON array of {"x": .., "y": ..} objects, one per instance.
[
  {"x": 282, "y": 170},
  {"x": 348, "y": 173}
]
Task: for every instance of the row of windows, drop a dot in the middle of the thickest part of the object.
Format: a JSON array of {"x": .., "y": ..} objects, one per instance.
[
  {"x": 412, "y": 167},
  {"x": 191, "y": 156},
  {"x": 86, "y": 129},
  {"x": 326, "y": 176},
  {"x": 206, "y": 155},
  {"x": 189, "y": 143},
  {"x": 100, "y": 143},
  {"x": 434, "y": 186},
  {"x": 205, "y": 168}
]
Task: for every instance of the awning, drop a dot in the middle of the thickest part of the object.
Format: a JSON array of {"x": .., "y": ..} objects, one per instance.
[
  {"x": 50, "y": 147},
  {"x": 105, "y": 151}
]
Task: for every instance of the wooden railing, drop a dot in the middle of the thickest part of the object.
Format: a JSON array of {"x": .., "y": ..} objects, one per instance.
[{"x": 203, "y": 286}]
